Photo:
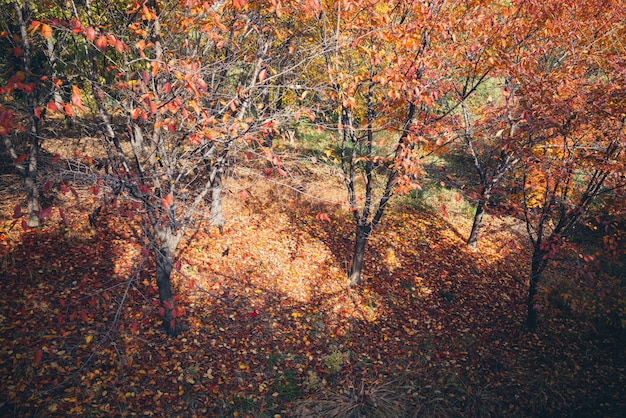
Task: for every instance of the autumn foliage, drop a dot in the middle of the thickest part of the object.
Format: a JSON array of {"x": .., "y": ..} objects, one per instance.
[{"x": 312, "y": 208}]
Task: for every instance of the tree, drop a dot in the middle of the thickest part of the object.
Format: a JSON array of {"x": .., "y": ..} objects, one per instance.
[
  {"x": 571, "y": 95},
  {"x": 29, "y": 86},
  {"x": 394, "y": 71},
  {"x": 188, "y": 79}
]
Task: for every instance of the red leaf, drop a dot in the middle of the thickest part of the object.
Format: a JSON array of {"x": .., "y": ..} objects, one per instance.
[
  {"x": 253, "y": 314},
  {"x": 34, "y": 25},
  {"x": 37, "y": 112},
  {"x": 95, "y": 190},
  {"x": 268, "y": 173},
  {"x": 62, "y": 214},
  {"x": 243, "y": 194},
  {"x": 444, "y": 212},
  {"x": 38, "y": 356},
  {"x": 134, "y": 327},
  {"x": 167, "y": 201},
  {"x": 44, "y": 213},
  {"x": 167, "y": 304},
  {"x": 91, "y": 33},
  {"x": 458, "y": 197},
  {"x": 83, "y": 316},
  {"x": 178, "y": 265},
  {"x": 17, "y": 212},
  {"x": 161, "y": 311},
  {"x": 56, "y": 159},
  {"x": 144, "y": 252},
  {"x": 20, "y": 159},
  {"x": 47, "y": 186},
  {"x": 120, "y": 46},
  {"x": 173, "y": 324}
]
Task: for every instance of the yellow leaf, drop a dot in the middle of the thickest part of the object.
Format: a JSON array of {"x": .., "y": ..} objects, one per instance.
[{"x": 89, "y": 338}]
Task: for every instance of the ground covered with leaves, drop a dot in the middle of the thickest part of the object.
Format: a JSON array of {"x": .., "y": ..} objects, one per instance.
[{"x": 435, "y": 330}]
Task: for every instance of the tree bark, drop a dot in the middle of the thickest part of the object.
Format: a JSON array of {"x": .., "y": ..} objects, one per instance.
[
  {"x": 536, "y": 267},
  {"x": 217, "y": 214},
  {"x": 362, "y": 233},
  {"x": 164, "y": 263},
  {"x": 32, "y": 190},
  {"x": 30, "y": 171},
  {"x": 477, "y": 225}
]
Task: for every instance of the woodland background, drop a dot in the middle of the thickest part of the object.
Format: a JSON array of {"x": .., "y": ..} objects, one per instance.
[{"x": 312, "y": 208}]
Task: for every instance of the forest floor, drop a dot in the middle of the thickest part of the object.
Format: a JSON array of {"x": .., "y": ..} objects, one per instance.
[{"x": 434, "y": 330}]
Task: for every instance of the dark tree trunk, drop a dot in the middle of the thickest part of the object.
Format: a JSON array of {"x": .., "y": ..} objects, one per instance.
[
  {"x": 536, "y": 267},
  {"x": 362, "y": 233},
  {"x": 477, "y": 225},
  {"x": 164, "y": 262}
]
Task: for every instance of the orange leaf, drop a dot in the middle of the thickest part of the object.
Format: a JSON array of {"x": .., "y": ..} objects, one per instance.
[
  {"x": 46, "y": 31},
  {"x": 69, "y": 110},
  {"x": 20, "y": 159},
  {"x": 240, "y": 4},
  {"x": 322, "y": 217},
  {"x": 102, "y": 43}
]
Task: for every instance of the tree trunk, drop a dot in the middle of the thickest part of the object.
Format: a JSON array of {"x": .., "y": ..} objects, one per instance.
[
  {"x": 30, "y": 172},
  {"x": 477, "y": 225},
  {"x": 535, "y": 275},
  {"x": 30, "y": 181},
  {"x": 164, "y": 262},
  {"x": 217, "y": 215},
  {"x": 362, "y": 233}
]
